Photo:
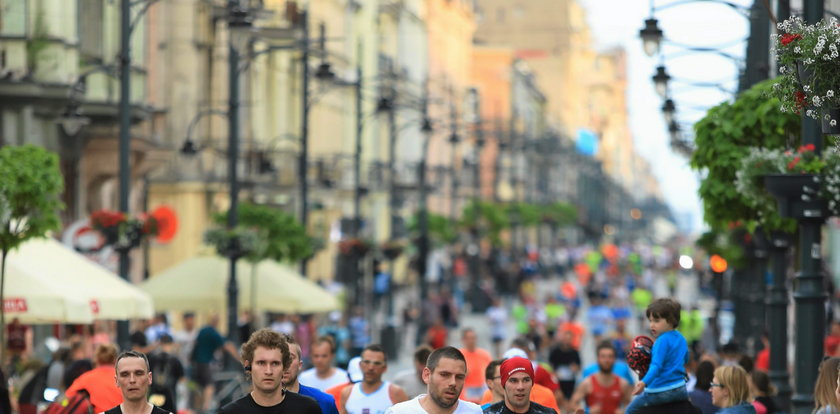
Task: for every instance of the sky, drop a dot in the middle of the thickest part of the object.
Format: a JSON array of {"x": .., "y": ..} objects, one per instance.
[{"x": 699, "y": 24}]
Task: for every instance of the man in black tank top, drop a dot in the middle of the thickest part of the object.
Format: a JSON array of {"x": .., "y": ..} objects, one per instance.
[
  {"x": 133, "y": 379},
  {"x": 266, "y": 356}
]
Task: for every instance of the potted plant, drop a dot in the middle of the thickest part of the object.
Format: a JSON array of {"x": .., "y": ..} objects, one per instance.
[
  {"x": 392, "y": 249},
  {"x": 354, "y": 246},
  {"x": 794, "y": 178},
  {"x": 121, "y": 231},
  {"x": 809, "y": 77},
  {"x": 236, "y": 243}
]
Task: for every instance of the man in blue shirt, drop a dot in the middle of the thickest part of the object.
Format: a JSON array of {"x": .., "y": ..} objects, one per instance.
[{"x": 290, "y": 380}]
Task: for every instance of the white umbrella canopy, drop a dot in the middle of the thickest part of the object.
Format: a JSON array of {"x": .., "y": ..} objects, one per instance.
[
  {"x": 33, "y": 300},
  {"x": 200, "y": 285},
  {"x": 106, "y": 294}
]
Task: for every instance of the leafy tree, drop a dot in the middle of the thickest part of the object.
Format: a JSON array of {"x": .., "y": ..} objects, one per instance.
[
  {"x": 282, "y": 237},
  {"x": 724, "y": 137},
  {"x": 30, "y": 190},
  {"x": 486, "y": 218},
  {"x": 526, "y": 214},
  {"x": 441, "y": 231},
  {"x": 559, "y": 213}
]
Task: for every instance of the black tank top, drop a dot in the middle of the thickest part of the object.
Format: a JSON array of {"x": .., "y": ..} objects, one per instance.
[{"x": 155, "y": 410}]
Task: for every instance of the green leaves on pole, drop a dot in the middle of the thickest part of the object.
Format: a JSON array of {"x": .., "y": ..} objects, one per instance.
[
  {"x": 264, "y": 233},
  {"x": 30, "y": 191},
  {"x": 723, "y": 138}
]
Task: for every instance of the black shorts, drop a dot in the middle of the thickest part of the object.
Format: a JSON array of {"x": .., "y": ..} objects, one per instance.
[{"x": 202, "y": 374}]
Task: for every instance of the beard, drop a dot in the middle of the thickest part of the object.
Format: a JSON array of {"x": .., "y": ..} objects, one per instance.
[
  {"x": 605, "y": 370},
  {"x": 441, "y": 402}
]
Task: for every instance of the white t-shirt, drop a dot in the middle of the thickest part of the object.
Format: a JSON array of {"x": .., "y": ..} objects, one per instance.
[
  {"x": 310, "y": 379},
  {"x": 413, "y": 407}
]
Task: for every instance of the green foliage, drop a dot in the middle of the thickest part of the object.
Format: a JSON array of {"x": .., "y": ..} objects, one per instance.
[
  {"x": 723, "y": 138},
  {"x": 283, "y": 237},
  {"x": 487, "y": 218},
  {"x": 528, "y": 215},
  {"x": 30, "y": 190},
  {"x": 559, "y": 214},
  {"x": 441, "y": 230}
]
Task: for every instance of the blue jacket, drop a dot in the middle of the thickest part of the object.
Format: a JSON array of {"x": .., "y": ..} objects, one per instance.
[
  {"x": 743, "y": 408},
  {"x": 667, "y": 366},
  {"x": 324, "y": 400}
]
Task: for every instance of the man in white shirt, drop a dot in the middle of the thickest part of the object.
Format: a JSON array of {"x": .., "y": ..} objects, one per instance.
[
  {"x": 323, "y": 375},
  {"x": 444, "y": 374}
]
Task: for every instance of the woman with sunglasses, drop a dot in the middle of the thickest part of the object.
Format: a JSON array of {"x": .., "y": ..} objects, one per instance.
[
  {"x": 825, "y": 400},
  {"x": 731, "y": 391}
]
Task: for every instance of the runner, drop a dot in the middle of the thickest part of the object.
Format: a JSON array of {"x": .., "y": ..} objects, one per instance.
[{"x": 371, "y": 395}]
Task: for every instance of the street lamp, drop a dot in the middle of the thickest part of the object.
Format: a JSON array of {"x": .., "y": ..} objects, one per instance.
[
  {"x": 668, "y": 110},
  {"x": 651, "y": 37},
  {"x": 660, "y": 81}
]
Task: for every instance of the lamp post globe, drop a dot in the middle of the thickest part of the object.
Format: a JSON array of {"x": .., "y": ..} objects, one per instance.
[
  {"x": 668, "y": 110},
  {"x": 651, "y": 37},
  {"x": 660, "y": 81}
]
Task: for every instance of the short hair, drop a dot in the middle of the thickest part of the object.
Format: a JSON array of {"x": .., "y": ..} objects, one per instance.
[
  {"x": 326, "y": 339},
  {"x": 269, "y": 339},
  {"x": 665, "y": 308},
  {"x": 522, "y": 343},
  {"x": 421, "y": 354},
  {"x": 105, "y": 354},
  {"x": 445, "y": 352},
  {"x": 290, "y": 339},
  {"x": 490, "y": 371},
  {"x": 375, "y": 348},
  {"x": 466, "y": 331},
  {"x": 606, "y": 344},
  {"x": 705, "y": 374},
  {"x": 133, "y": 354},
  {"x": 734, "y": 379}
]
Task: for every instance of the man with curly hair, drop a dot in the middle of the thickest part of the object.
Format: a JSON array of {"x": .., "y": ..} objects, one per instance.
[{"x": 266, "y": 357}]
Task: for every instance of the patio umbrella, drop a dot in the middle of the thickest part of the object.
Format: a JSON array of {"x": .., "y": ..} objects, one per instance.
[
  {"x": 106, "y": 294},
  {"x": 35, "y": 300},
  {"x": 200, "y": 285}
]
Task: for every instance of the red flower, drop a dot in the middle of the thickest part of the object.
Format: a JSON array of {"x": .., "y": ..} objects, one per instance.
[
  {"x": 799, "y": 96},
  {"x": 788, "y": 38},
  {"x": 793, "y": 163},
  {"x": 106, "y": 218}
]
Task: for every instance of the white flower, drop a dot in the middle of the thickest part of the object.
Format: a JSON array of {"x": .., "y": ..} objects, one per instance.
[
  {"x": 797, "y": 50},
  {"x": 829, "y": 93},
  {"x": 782, "y": 69},
  {"x": 816, "y": 101},
  {"x": 807, "y": 88},
  {"x": 833, "y": 122}
]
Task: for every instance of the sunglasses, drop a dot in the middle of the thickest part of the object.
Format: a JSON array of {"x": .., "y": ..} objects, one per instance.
[{"x": 712, "y": 384}]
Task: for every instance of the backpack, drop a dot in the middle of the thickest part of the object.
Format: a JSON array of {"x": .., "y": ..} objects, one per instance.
[{"x": 77, "y": 404}]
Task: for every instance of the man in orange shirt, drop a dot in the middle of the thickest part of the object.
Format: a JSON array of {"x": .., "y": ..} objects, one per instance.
[
  {"x": 477, "y": 360},
  {"x": 539, "y": 394},
  {"x": 99, "y": 382}
]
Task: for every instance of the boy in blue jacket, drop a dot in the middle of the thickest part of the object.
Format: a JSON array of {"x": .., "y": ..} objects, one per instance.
[{"x": 665, "y": 379}]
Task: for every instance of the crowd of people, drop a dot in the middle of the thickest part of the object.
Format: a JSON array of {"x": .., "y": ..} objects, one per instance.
[{"x": 561, "y": 311}]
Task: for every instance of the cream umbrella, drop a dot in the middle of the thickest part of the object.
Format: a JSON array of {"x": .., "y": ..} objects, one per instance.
[
  {"x": 200, "y": 285},
  {"x": 34, "y": 300},
  {"x": 108, "y": 295}
]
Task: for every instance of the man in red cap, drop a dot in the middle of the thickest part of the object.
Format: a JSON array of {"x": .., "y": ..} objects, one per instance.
[{"x": 517, "y": 380}]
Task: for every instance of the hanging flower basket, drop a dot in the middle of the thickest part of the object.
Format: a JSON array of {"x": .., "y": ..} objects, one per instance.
[
  {"x": 392, "y": 249},
  {"x": 354, "y": 247},
  {"x": 809, "y": 78},
  {"x": 122, "y": 232}
]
